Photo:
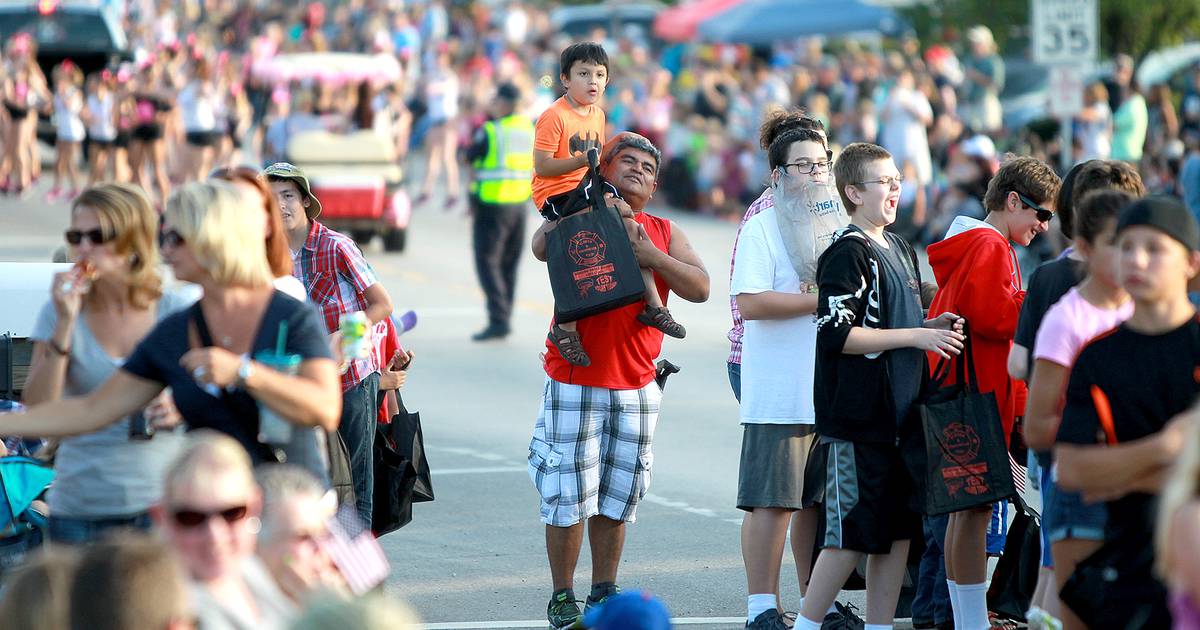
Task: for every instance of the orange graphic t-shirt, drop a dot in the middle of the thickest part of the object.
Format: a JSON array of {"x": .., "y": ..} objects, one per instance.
[{"x": 565, "y": 132}]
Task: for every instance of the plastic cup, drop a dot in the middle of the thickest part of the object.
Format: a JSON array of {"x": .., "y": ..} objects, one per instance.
[{"x": 273, "y": 430}]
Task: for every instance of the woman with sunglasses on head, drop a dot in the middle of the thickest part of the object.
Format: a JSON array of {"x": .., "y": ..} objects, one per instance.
[
  {"x": 210, "y": 516},
  {"x": 96, "y": 315},
  {"x": 212, "y": 355}
]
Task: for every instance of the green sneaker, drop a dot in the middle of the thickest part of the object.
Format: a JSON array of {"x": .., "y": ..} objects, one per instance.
[
  {"x": 604, "y": 593},
  {"x": 563, "y": 609}
]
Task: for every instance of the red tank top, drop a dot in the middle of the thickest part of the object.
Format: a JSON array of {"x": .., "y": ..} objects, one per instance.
[{"x": 622, "y": 349}]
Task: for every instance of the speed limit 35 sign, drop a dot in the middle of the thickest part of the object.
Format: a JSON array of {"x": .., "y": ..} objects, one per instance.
[{"x": 1065, "y": 31}]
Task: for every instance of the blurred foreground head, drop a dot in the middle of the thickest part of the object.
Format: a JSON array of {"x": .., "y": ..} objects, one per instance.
[
  {"x": 129, "y": 582},
  {"x": 37, "y": 596}
]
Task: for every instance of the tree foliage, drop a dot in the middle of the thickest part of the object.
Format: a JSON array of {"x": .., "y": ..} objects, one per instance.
[{"x": 1135, "y": 27}]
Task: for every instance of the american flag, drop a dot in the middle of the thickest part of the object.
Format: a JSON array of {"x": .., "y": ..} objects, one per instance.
[{"x": 355, "y": 552}]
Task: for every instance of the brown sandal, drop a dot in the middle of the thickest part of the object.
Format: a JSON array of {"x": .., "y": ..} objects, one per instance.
[
  {"x": 570, "y": 346},
  {"x": 660, "y": 318}
]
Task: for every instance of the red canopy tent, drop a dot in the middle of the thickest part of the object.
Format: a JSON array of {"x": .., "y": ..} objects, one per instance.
[{"x": 678, "y": 23}]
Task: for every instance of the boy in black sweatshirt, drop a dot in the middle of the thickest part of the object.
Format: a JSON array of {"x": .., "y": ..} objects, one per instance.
[{"x": 871, "y": 338}]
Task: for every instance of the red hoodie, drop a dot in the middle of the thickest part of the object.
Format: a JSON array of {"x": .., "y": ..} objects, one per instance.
[{"x": 978, "y": 277}]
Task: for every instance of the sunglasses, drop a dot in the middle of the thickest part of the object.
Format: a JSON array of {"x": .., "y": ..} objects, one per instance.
[
  {"x": 170, "y": 238},
  {"x": 196, "y": 518},
  {"x": 1043, "y": 215},
  {"x": 95, "y": 237}
]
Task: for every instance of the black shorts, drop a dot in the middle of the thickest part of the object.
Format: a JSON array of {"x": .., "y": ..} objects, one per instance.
[
  {"x": 868, "y": 497},
  {"x": 101, "y": 144},
  {"x": 203, "y": 138},
  {"x": 148, "y": 133},
  {"x": 122, "y": 140},
  {"x": 16, "y": 112}
]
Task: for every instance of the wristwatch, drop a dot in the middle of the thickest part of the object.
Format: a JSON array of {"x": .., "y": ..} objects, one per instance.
[{"x": 245, "y": 371}]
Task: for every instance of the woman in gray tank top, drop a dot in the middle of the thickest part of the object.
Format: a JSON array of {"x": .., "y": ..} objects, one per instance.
[{"x": 97, "y": 313}]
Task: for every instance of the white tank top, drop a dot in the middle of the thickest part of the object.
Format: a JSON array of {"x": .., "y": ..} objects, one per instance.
[{"x": 102, "y": 127}]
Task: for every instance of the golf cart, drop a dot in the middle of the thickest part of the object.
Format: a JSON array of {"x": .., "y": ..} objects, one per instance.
[{"x": 354, "y": 173}]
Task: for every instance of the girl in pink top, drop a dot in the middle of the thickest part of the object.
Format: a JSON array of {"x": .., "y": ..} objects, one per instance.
[{"x": 1095, "y": 306}]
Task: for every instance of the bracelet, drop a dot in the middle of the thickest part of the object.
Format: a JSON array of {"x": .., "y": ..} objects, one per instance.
[{"x": 64, "y": 352}]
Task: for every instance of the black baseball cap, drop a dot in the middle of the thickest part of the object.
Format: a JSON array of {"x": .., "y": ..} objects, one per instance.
[
  {"x": 1163, "y": 213},
  {"x": 508, "y": 92}
]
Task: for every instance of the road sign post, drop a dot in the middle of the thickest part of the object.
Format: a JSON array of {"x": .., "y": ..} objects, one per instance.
[{"x": 1066, "y": 38}]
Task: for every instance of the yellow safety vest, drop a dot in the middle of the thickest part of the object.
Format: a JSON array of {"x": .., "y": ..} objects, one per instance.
[{"x": 503, "y": 175}]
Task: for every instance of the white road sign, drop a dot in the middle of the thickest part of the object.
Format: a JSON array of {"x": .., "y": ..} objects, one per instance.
[
  {"x": 1065, "y": 31},
  {"x": 1066, "y": 91}
]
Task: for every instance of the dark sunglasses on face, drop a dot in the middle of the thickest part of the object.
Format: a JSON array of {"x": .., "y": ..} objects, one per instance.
[
  {"x": 170, "y": 238},
  {"x": 195, "y": 518},
  {"x": 1043, "y": 215},
  {"x": 95, "y": 237}
]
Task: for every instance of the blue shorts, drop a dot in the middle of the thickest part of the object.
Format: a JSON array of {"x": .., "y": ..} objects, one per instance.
[{"x": 1067, "y": 516}]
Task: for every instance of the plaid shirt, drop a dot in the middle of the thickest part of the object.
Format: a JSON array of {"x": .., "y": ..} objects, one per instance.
[
  {"x": 336, "y": 275},
  {"x": 764, "y": 202}
]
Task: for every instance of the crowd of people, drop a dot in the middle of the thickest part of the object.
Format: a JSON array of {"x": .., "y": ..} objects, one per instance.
[
  {"x": 839, "y": 346},
  {"x": 193, "y": 97}
]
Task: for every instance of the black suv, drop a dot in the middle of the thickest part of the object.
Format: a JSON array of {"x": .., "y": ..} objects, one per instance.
[{"x": 83, "y": 31}]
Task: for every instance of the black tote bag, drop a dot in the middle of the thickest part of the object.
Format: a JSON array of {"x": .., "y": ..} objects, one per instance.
[
  {"x": 1015, "y": 577},
  {"x": 588, "y": 256},
  {"x": 402, "y": 474},
  {"x": 966, "y": 464}
]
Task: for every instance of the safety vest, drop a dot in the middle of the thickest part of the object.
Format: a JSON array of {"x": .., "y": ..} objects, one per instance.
[{"x": 503, "y": 175}]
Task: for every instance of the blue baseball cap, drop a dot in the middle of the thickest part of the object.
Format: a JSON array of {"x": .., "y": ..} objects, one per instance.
[{"x": 634, "y": 610}]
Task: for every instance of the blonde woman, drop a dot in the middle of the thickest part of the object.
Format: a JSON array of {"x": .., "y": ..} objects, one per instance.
[
  {"x": 212, "y": 235},
  {"x": 1178, "y": 530},
  {"x": 209, "y": 516},
  {"x": 91, "y": 323}
]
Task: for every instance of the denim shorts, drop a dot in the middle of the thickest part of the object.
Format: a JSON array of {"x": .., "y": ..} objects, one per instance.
[
  {"x": 1067, "y": 516},
  {"x": 1049, "y": 490}
]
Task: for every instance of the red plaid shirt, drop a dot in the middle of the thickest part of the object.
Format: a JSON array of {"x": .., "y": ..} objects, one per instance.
[
  {"x": 336, "y": 275},
  {"x": 764, "y": 201}
]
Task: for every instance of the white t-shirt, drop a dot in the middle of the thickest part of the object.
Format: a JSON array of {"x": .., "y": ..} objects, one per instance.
[
  {"x": 102, "y": 126},
  {"x": 198, "y": 105},
  {"x": 778, "y": 356}
]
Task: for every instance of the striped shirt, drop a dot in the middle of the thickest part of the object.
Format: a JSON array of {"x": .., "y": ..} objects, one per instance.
[{"x": 764, "y": 201}]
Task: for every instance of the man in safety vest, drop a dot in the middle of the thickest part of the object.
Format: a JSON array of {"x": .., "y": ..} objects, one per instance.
[{"x": 501, "y": 156}]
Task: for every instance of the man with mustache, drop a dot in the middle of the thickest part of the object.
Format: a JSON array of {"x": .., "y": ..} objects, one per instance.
[{"x": 590, "y": 456}]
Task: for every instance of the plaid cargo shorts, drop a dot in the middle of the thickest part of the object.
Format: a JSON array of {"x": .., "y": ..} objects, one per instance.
[{"x": 590, "y": 453}]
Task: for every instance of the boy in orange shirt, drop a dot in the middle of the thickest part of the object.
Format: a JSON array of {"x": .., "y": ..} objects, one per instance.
[{"x": 565, "y": 133}]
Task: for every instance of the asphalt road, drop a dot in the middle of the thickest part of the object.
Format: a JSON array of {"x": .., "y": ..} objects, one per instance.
[{"x": 474, "y": 558}]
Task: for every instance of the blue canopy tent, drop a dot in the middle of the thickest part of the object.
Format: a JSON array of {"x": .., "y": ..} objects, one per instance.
[{"x": 763, "y": 22}]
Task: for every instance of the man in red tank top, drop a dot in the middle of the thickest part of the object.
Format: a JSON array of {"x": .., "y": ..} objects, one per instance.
[{"x": 590, "y": 456}]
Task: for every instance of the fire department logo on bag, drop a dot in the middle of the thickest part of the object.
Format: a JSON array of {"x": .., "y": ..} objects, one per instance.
[
  {"x": 962, "y": 442},
  {"x": 606, "y": 283},
  {"x": 586, "y": 248}
]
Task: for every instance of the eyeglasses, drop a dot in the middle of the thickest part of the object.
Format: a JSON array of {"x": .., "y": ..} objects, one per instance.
[
  {"x": 807, "y": 168},
  {"x": 1043, "y": 215},
  {"x": 95, "y": 237},
  {"x": 196, "y": 518},
  {"x": 170, "y": 238},
  {"x": 887, "y": 180}
]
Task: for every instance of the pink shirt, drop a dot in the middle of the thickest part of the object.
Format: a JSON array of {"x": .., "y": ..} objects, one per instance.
[
  {"x": 1071, "y": 323},
  {"x": 764, "y": 201}
]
